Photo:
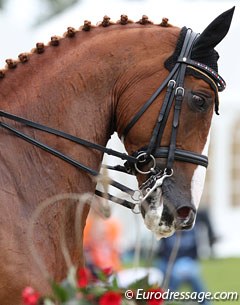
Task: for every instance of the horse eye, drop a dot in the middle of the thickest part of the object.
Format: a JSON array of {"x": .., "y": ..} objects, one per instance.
[{"x": 198, "y": 100}]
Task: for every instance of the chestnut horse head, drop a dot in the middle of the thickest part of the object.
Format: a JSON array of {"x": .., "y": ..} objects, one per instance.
[
  {"x": 169, "y": 132},
  {"x": 90, "y": 83}
]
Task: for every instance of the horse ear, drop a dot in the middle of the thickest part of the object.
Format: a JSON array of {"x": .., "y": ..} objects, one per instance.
[{"x": 213, "y": 34}]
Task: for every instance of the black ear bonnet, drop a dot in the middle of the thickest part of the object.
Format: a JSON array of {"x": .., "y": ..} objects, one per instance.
[{"x": 210, "y": 57}]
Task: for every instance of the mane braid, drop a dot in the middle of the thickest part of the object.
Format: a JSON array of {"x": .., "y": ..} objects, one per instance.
[
  {"x": 71, "y": 33},
  {"x": 23, "y": 57}
]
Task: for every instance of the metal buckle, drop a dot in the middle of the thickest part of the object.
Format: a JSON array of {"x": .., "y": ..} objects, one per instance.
[
  {"x": 172, "y": 82},
  {"x": 158, "y": 183},
  {"x": 141, "y": 155},
  {"x": 181, "y": 93},
  {"x": 138, "y": 209}
]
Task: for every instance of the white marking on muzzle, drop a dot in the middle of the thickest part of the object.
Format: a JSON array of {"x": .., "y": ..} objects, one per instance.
[
  {"x": 198, "y": 178},
  {"x": 153, "y": 216}
]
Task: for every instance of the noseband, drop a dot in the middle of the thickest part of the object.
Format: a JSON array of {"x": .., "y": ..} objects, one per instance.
[{"x": 174, "y": 85}]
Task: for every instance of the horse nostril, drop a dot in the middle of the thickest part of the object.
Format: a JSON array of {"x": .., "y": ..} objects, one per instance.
[
  {"x": 184, "y": 212},
  {"x": 185, "y": 218}
]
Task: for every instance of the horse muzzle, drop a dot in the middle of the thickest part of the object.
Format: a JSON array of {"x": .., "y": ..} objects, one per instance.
[{"x": 168, "y": 209}]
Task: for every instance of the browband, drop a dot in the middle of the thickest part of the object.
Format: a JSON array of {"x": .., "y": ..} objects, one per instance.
[{"x": 219, "y": 81}]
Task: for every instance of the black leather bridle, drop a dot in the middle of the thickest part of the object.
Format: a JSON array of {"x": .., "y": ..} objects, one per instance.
[
  {"x": 175, "y": 91},
  {"x": 174, "y": 85}
]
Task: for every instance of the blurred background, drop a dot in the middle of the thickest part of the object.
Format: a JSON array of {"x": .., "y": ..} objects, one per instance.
[{"x": 23, "y": 23}]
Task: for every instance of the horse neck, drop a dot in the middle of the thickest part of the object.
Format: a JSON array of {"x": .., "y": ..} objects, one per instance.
[
  {"x": 86, "y": 82},
  {"x": 81, "y": 81},
  {"x": 67, "y": 87}
]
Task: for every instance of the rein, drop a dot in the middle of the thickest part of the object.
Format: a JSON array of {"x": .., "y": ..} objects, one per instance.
[
  {"x": 174, "y": 85},
  {"x": 69, "y": 160}
]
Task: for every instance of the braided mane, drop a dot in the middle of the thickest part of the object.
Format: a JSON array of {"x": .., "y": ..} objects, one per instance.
[{"x": 70, "y": 33}]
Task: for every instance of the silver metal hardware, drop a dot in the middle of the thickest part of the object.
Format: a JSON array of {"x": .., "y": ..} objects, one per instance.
[
  {"x": 157, "y": 184},
  {"x": 173, "y": 82},
  {"x": 138, "y": 209},
  {"x": 141, "y": 155},
  {"x": 137, "y": 196},
  {"x": 179, "y": 91}
]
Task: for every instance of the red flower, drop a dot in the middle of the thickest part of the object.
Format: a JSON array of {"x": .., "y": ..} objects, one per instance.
[
  {"x": 155, "y": 297},
  {"x": 110, "y": 298},
  {"x": 30, "y": 296},
  {"x": 107, "y": 271},
  {"x": 83, "y": 278}
]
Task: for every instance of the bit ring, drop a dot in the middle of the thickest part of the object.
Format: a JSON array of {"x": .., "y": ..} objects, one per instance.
[{"x": 141, "y": 161}]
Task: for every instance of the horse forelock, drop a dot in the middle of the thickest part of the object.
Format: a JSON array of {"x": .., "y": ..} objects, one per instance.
[{"x": 72, "y": 32}]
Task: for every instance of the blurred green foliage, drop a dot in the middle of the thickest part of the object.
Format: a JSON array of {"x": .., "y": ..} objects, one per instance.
[{"x": 222, "y": 275}]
